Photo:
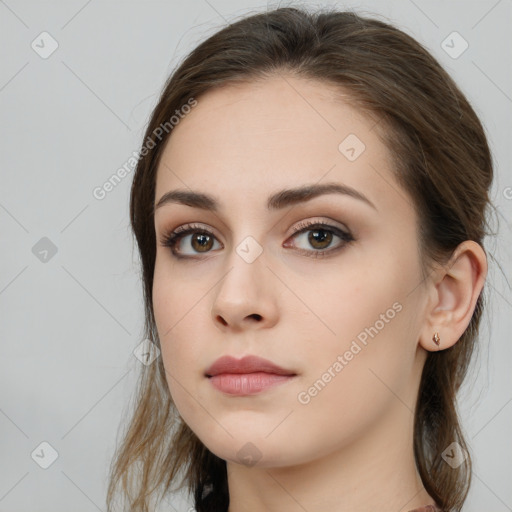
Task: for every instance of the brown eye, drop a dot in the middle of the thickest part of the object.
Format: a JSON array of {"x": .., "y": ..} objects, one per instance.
[
  {"x": 189, "y": 241},
  {"x": 320, "y": 238},
  {"x": 316, "y": 239},
  {"x": 201, "y": 242}
]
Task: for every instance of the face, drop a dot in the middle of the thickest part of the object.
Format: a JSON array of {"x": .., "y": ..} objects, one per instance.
[{"x": 326, "y": 286}]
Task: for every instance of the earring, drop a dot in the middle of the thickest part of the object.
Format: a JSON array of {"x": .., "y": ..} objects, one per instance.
[{"x": 436, "y": 339}]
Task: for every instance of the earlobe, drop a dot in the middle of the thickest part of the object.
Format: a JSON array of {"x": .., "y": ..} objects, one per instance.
[{"x": 455, "y": 292}]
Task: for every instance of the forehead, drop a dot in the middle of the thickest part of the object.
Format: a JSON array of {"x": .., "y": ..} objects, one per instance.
[{"x": 257, "y": 137}]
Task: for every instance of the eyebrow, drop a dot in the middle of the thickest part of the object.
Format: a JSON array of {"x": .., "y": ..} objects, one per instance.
[{"x": 276, "y": 201}]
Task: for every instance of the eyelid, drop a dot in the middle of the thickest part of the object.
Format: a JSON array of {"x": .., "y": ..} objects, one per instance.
[
  {"x": 313, "y": 221},
  {"x": 294, "y": 229}
]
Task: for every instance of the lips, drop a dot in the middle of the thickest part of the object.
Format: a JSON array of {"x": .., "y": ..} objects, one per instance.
[
  {"x": 248, "y": 364},
  {"x": 250, "y": 375}
]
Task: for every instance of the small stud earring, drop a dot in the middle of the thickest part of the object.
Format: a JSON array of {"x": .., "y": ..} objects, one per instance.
[{"x": 436, "y": 339}]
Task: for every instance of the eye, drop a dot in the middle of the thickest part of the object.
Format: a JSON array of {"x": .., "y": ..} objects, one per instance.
[
  {"x": 320, "y": 236},
  {"x": 201, "y": 241}
]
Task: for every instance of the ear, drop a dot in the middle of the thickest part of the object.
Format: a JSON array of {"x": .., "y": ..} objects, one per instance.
[{"x": 453, "y": 295}]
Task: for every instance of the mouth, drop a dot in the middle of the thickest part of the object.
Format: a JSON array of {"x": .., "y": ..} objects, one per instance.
[
  {"x": 243, "y": 384},
  {"x": 247, "y": 376}
]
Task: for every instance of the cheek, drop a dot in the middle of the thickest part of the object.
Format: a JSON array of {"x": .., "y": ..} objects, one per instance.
[
  {"x": 348, "y": 304},
  {"x": 367, "y": 320},
  {"x": 172, "y": 298},
  {"x": 175, "y": 308},
  {"x": 181, "y": 349},
  {"x": 349, "y": 384},
  {"x": 185, "y": 331}
]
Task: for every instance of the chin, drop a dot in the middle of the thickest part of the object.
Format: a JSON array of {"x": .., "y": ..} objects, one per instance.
[{"x": 252, "y": 448}]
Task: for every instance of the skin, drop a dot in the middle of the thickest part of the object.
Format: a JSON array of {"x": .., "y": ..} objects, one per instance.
[{"x": 350, "y": 447}]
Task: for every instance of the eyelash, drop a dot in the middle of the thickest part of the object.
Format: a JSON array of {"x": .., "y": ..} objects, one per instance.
[{"x": 171, "y": 239}]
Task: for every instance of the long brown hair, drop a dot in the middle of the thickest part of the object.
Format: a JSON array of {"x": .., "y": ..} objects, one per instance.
[{"x": 441, "y": 159}]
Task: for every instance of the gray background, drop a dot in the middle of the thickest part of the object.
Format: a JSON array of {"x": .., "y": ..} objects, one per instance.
[{"x": 70, "y": 322}]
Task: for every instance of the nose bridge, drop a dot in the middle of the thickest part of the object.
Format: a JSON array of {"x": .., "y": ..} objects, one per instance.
[
  {"x": 244, "y": 290},
  {"x": 246, "y": 266},
  {"x": 247, "y": 252}
]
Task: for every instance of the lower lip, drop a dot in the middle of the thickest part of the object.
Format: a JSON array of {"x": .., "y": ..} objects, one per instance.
[{"x": 247, "y": 383}]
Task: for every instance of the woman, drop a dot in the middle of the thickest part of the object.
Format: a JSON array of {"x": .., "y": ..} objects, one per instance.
[{"x": 309, "y": 207}]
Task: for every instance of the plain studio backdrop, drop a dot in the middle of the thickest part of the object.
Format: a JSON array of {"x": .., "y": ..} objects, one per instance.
[{"x": 78, "y": 80}]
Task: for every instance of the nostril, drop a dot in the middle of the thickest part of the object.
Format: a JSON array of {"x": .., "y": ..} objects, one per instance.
[
  {"x": 222, "y": 321},
  {"x": 256, "y": 316}
]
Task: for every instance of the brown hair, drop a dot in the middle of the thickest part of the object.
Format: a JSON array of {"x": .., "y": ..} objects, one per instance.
[{"x": 442, "y": 160}]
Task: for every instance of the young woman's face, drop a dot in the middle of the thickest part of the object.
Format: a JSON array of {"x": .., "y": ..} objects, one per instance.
[{"x": 324, "y": 285}]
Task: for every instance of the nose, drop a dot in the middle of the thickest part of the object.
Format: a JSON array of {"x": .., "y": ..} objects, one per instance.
[{"x": 246, "y": 297}]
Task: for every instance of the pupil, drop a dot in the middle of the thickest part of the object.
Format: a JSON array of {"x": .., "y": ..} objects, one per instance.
[{"x": 202, "y": 239}]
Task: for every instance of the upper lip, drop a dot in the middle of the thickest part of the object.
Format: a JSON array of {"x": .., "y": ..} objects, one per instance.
[{"x": 248, "y": 364}]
